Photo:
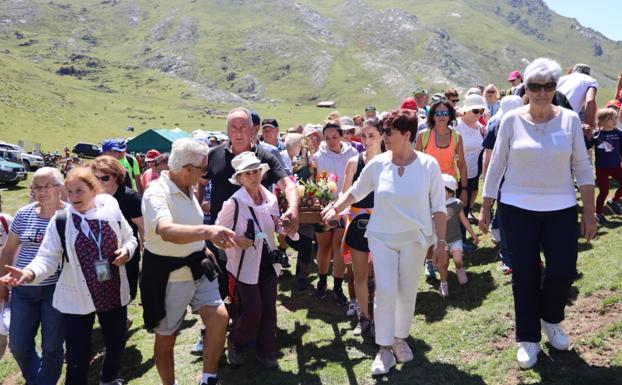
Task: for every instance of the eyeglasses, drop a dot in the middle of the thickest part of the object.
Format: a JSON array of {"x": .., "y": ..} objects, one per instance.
[
  {"x": 536, "y": 87},
  {"x": 104, "y": 178},
  {"x": 478, "y": 111},
  {"x": 348, "y": 132},
  {"x": 43, "y": 188},
  {"x": 441, "y": 113}
]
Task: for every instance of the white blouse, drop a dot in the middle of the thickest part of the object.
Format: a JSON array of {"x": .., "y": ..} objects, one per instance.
[{"x": 472, "y": 141}]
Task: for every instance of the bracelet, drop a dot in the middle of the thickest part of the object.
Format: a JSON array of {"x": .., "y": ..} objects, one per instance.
[{"x": 441, "y": 240}]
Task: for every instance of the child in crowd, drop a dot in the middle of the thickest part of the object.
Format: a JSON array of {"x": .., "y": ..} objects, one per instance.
[
  {"x": 608, "y": 156},
  {"x": 455, "y": 216}
]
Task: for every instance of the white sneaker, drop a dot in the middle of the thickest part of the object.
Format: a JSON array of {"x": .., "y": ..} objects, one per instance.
[
  {"x": 402, "y": 351},
  {"x": 527, "y": 354},
  {"x": 555, "y": 335},
  {"x": 353, "y": 309},
  {"x": 383, "y": 362},
  {"x": 443, "y": 290}
]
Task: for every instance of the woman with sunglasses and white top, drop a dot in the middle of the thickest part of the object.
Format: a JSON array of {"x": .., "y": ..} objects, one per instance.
[
  {"x": 540, "y": 153},
  {"x": 472, "y": 133},
  {"x": 92, "y": 281},
  {"x": 409, "y": 216},
  {"x": 31, "y": 304}
]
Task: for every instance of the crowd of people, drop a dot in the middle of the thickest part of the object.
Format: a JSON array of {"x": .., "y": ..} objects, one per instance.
[{"x": 202, "y": 227}]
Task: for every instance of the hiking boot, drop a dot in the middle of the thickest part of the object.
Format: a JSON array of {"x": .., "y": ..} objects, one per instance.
[
  {"x": 320, "y": 292},
  {"x": 402, "y": 351},
  {"x": 462, "y": 277},
  {"x": 233, "y": 355},
  {"x": 430, "y": 271},
  {"x": 600, "y": 218},
  {"x": 353, "y": 309},
  {"x": 362, "y": 326},
  {"x": 555, "y": 334},
  {"x": 614, "y": 207},
  {"x": 340, "y": 298},
  {"x": 443, "y": 290},
  {"x": 267, "y": 362},
  {"x": 527, "y": 354},
  {"x": 383, "y": 362}
]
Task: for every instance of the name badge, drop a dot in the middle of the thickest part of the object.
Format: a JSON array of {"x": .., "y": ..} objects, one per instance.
[{"x": 102, "y": 270}]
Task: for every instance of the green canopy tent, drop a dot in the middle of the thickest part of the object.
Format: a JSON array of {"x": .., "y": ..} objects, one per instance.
[{"x": 160, "y": 139}]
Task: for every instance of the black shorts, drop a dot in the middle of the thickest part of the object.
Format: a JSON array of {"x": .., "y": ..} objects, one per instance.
[
  {"x": 355, "y": 236},
  {"x": 319, "y": 227}
]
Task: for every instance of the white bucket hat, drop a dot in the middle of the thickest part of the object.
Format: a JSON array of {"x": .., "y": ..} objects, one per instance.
[
  {"x": 450, "y": 182},
  {"x": 246, "y": 161},
  {"x": 473, "y": 102}
]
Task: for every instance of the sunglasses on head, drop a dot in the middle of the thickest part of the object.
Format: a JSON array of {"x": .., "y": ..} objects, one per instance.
[
  {"x": 478, "y": 111},
  {"x": 536, "y": 87},
  {"x": 104, "y": 178},
  {"x": 441, "y": 113}
]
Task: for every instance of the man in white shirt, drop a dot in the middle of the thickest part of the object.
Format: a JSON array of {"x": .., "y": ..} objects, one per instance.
[{"x": 580, "y": 89}]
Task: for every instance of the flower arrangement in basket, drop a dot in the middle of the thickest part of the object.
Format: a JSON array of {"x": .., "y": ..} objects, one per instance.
[{"x": 314, "y": 196}]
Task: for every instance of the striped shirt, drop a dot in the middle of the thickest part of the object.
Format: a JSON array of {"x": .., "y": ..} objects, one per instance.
[{"x": 30, "y": 228}]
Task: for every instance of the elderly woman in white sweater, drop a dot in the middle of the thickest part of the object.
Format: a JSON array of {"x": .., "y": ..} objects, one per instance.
[
  {"x": 409, "y": 217},
  {"x": 541, "y": 153},
  {"x": 98, "y": 242}
]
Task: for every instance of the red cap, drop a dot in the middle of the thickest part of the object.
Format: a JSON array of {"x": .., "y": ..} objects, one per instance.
[
  {"x": 514, "y": 75},
  {"x": 614, "y": 103},
  {"x": 409, "y": 104},
  {"x": 151, "y": 155}
]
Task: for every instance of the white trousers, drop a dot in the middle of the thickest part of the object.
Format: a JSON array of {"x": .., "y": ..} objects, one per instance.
[{"x": 397, "y": 268}]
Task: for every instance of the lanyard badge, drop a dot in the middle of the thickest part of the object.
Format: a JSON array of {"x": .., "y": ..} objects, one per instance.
[{"x": 102, "y": 267}]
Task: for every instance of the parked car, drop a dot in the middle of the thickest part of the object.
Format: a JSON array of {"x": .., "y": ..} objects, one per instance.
[
  {"x": 86, "y": 150},
  {"x": 30, "y": 161},
  {"x": 11, "y": 173}
]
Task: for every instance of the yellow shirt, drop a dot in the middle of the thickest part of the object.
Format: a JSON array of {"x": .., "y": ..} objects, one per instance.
[{"x": 164, "y": 200}]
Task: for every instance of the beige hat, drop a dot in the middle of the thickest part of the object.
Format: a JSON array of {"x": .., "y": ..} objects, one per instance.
[
  {"x": 473, "y": 102},
  {"x": 246, "y": 161}
]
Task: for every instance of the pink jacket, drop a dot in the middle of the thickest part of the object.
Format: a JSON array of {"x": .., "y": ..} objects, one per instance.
[{"x": 267, "y": 214}]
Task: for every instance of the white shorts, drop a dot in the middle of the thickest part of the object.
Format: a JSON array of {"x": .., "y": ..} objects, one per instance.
[{"x": 455, "y": 245}]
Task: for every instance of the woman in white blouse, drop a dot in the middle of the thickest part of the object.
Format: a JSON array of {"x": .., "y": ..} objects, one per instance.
[
  {"x": 541, "y": 153},
  {"x": 98, "y": 243},
  {"x": 409, "y": 216}
]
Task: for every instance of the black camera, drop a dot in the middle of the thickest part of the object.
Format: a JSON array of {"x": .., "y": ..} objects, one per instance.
[{"x": 279, "y": 256}]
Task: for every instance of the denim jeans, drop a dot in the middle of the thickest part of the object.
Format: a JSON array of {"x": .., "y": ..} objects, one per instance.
[{"x": 31, "y": 306}]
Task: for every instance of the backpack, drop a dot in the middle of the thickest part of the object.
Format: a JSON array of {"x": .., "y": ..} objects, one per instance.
[
  {"x": 61, "y": 224},
  {"x": 455, "y": 136}
]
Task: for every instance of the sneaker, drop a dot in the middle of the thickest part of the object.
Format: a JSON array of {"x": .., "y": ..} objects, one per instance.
[
  {"x": 600, "y": 218},
  {"x": 614, "y": 207},
  {"x": 402, "y": 351},
  {"x": 210, "y": 381},
  {"x": 341, "y": 299},
  {"x": 527, "y": 354},
  {"x": 462, "y": 277},
  {"x": 234, "y": 357},
  {"x": 444, "y": 289},
  {"x": 555, "y": 335},
  {"x": 383, "y": 362},
  {"x": 197, "y": 348},
  {"x": 507, "y": 270},
  {"x": 267, "y": 362},
  {"x": 320, "y": 292},
  {"x": 353, "y": 309},
  {"x": 430, "y": 270},
  {"x": 362, "y": 326}
]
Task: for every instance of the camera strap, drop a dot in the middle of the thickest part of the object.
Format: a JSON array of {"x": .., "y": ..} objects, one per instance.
[{"x": 259, "y": 227}]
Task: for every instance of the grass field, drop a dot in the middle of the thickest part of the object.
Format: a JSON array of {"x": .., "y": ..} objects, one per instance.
[{"x": 466, "y": 339}]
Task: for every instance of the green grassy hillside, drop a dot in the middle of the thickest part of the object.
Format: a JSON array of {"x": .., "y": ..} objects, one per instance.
[{"x": 151, "y": 63}]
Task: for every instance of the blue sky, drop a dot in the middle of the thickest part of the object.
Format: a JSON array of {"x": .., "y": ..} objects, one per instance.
[{"x": 603, "y": 16}]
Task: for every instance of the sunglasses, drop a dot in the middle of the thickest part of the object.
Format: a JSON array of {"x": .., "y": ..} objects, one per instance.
[
  {"x": 536, "y": 87},
  {"x": 104, "y": 178},
  {"x": 348, "y": 132},
  {"x": 441, "y": 113},
  {"x": 491, "y": 92},
  {"x": 454, "y": 100},
  {"x": 478, "y": 111}
]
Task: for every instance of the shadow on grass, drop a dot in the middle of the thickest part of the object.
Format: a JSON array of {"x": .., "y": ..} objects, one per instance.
[
  {"x": 480, "y": 256},
  {"x": 467, "y": 297},
  {"x": 569, "y": 368}
]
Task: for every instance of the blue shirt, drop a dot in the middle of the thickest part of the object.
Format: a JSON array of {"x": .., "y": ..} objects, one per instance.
[
  {"x": 607, "y": 148},
  {"x": 30, "y": 228}
]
